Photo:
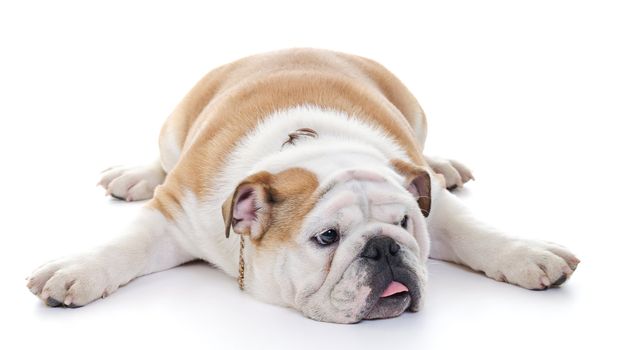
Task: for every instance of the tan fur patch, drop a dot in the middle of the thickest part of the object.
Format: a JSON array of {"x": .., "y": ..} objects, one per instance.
[
  {"x": 231, "y": 100},
  {"x": 290, "y": 195},
  {"x": 293, "y": 194}
]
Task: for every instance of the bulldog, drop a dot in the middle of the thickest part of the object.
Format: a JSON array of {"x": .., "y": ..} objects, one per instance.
[{"x": 301, "y": 172}]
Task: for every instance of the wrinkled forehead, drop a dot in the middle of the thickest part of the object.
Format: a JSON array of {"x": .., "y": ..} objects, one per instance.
[{"x": 366, "y": 196}]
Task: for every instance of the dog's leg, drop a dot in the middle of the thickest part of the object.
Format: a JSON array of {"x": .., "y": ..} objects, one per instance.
[
  {"x": 148, "y": 247},
  {"x": 132, "y": 183},
  {"x": 457, "y": 237},
  {"x": 455, "y": 173}
]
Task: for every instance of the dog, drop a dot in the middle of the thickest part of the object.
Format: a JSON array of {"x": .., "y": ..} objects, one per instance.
[{"x": 301, "y": 172}]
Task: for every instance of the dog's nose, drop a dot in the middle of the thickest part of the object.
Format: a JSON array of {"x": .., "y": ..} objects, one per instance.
[{"x": 379, "y": 247}]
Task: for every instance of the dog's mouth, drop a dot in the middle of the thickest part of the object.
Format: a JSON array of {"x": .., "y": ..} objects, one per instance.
[
  {"x": 374, "y": 289},
  {"x": 392, "y": 302}
]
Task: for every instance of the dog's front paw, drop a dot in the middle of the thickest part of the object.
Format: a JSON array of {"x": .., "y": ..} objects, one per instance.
[
  {"x": 72, "y": 282},
  {"x": 533, "y": 264}
]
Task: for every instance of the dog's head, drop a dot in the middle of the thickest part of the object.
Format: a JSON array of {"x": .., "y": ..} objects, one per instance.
[{"x": 349, "y": 248}]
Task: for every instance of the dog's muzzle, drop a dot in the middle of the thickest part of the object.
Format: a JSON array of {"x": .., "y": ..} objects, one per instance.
[{"x": 394, "y": 287}]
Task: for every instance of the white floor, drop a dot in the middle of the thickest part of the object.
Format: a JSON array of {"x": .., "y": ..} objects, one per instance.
[{"x": 530, "y": 98}]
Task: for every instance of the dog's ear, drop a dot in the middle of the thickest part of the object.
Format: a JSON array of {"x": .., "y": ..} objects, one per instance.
[
  {"x": 248, "y": 210},
  {"x": 418, "y": 183}
]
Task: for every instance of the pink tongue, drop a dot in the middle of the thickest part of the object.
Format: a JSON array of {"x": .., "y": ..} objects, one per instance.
[{"x": 394, "y": 288}]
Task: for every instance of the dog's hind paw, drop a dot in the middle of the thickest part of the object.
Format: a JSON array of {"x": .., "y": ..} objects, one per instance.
[
  {"x": 455, "y": 173},
  {"x": 132, "y": 183}
]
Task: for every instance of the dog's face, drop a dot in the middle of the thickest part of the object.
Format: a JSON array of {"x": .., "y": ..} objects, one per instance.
[{"x": 353, "y": 247}]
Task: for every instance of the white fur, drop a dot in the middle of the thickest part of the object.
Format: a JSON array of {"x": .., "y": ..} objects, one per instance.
[{"x": 146, "y": 247}]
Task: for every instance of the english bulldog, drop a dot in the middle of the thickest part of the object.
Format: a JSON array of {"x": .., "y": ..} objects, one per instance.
[{"x": 301, "y": 173}]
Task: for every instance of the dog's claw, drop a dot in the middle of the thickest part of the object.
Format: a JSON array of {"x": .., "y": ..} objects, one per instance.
[{"x": 52, "y": 302}]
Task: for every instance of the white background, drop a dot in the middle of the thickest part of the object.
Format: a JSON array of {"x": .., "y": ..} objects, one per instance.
[{"x": 529, "y": 94}]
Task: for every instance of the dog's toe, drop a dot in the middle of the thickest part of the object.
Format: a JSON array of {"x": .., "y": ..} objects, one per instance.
[{"x": 455, "y": 173}]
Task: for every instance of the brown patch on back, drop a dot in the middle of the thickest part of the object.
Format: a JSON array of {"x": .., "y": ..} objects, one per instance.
[{"x": 231, "y": 100}]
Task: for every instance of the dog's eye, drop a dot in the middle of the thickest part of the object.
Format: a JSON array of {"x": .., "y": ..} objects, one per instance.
[
  {"x": 404, "y": 222},
  {"x": 327, "y": 237}
]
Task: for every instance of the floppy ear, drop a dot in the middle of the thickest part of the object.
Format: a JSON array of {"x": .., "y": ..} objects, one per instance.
[
  {"x": 418, "y": 183},
  {"x": 248, "y": 210}
]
